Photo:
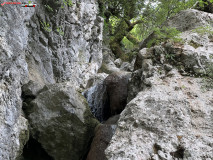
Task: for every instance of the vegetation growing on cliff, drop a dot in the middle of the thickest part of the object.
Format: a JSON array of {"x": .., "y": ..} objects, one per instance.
[{"x": 129, "y": 22}]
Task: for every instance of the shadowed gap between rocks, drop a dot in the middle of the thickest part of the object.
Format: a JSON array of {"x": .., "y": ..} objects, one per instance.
[
  {"x": 34, "y": 151},
  {"x": 106, "y": 99},
  {"x": 109, "y": 97}
]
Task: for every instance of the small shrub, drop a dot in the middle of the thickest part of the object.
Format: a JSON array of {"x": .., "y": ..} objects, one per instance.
[
  {"x": 203, "y": 30},
  {"x": 207, "y": 82},
  {"x": 164, "y": 34},
  {"x": 170, "y": 57},
  {"x": 46, "y": 26},
  {"x": 48, "y": 8},
  {"x": 194, "y": 44},
  {"x": 59, "y": 30},
  {"x": 67, "y": 3}
]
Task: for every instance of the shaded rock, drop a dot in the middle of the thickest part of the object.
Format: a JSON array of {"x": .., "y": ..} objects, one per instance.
[
  {"x": 126, "y": 66},
  {"x": 103, "y": 135},
  {"x": 61, "y": 121},
  {"x": 112, "y": 120},
  {"x": 108, "y": 65},
  {"x": 206, "y": 7},
  {"x": 118, "y": 62},
  {"x": 116, "y": 86},
  {"x": 34, "y": 151},
  {"x": 98, "y": 100},
  {"x": 31, "y": 89},
  {"x": 98, "y": 78}
]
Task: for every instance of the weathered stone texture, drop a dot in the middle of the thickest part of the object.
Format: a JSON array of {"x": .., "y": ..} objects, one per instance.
[
  {"x": 169, "y": 114},
  {"x": 60, "y": 119},
  {"x": 31, "y": 48}
]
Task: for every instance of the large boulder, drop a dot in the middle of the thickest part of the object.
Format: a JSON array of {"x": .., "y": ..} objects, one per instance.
[
  {"x": 61, "y": 121},
  {"x": 191, "y": 57},
  {"x": 117, "y": 91},
  {"x": 190, "y": 19},
  {"x": 171, "y": 120}
]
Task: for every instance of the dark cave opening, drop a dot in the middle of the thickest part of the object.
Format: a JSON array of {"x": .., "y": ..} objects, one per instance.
[{"x": 34, "y": 151}]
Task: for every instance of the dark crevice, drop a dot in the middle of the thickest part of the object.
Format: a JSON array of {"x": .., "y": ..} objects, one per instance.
[
  {"x": 179, "y": 153},
  {"x": 34, "y": 151},
  {"x": 156, "y": 148}
]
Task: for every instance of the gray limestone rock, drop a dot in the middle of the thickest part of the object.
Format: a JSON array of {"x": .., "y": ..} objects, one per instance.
[
  {"x": 166, "y": 123},
  {"x": 97, "y": 99},
  {"x": 117, "y": 91},
  {"x": 190, "y": 19},
  {"x": 61, "y": 121},
  {"x": 103, "y": 135},
  {"x": 46, "y": 47},
  {"x": 169, "y": 115},
  {"x": 118, "y": 62}
]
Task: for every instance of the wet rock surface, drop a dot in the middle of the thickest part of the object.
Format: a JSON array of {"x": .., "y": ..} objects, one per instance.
[{"x": 98, "y": 100}]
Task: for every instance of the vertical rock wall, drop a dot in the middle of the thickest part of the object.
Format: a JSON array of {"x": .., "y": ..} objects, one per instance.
[{"x": 50, "y": 43}]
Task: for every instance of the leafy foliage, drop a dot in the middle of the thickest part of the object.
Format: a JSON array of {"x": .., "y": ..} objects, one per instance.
[
  {"x": 50, "y": 9},
  {"x": 67, "y": 3},
  {"x": 164, "y": 34},
  {"x": 60, "y": 31},
  {"x": 46, "y": 26},
  {"x": 204, "y": 30},
  {"x": 129, "y": 22}
]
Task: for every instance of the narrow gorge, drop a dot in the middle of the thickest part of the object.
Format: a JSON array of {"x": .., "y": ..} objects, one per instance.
[{"x": 66, "y": 95}]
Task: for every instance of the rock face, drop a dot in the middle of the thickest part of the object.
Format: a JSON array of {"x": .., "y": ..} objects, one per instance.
[
  {"x": 50, "y": 43},
  {"x": 167, "y": 121},
  {"x": 103, "y": 135},
  {"x": 13, "y": 73},
  {"x": 68, "y": 50},
  {"x": 108, "y": 65},
  {"x": 61, "y": 121},
  {"x": 169, "y": 114},
  {"x": 98, "y": 100},
  {"x": 116, "y": 87},
  {"x": 108, "y": 97},
  {"x": 190, "y": 19}
]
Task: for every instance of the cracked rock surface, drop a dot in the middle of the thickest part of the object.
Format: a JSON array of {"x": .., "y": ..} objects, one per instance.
[
  {"x": 169, "y": 114},
  {"x": 47, "y": 47}
]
